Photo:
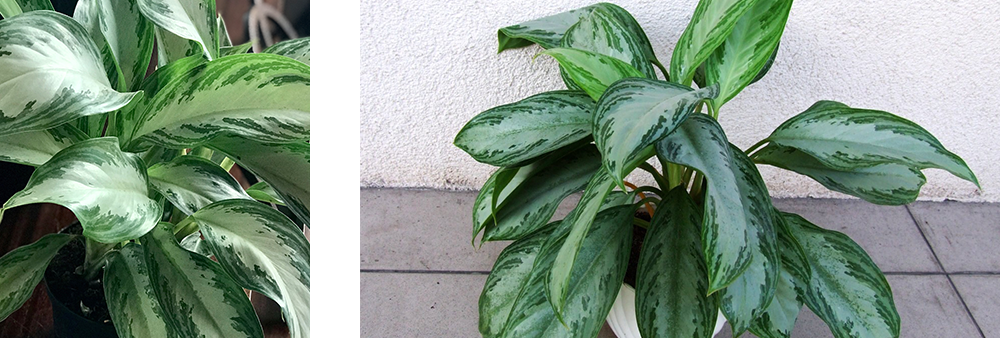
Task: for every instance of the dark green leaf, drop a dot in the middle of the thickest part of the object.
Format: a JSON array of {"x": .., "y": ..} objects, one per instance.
[
  {"x": 22, "y": 269},
  {"x": 508, "y": 277}
]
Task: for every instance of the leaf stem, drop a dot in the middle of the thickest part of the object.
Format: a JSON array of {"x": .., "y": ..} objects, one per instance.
[
  {"x": 642, "y": 196},
  {"x": 662, "y": 182},
  {"x": 640, "y": 222},
  {"x": 754, "y": 147},
  {"x": 227, "y": 164},
  {"x": 663, "y": 70},
  {"x": 94, "y": 257},
  {"x": 696, "y": 187}
]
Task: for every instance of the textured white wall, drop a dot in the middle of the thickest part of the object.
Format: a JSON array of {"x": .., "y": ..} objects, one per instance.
[{"x": 429, "y": 66}]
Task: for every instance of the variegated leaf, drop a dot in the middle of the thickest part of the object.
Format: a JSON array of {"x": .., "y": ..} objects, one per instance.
[
  {"x": 576, "y": 225},
  {"x": 635, "y": 113},
  {"x": 749, "y": 295},
  {"x": 127, "y": 35},
  {"x": 284, "y": 166},
  {"x": 198, "y": 298},
  {"x": 22, "y": 269},
  {"x": 506, "y": 280},
  {"x": 711, "y": 23},
  {"x": 170, "y": 47},
  {"x": 189, "y": 19},
  {"x": 744, "y": 53},
  {"x": 36, "y": 147},
  {"x": 793, "y": 278},
  {"x": 592, "y": 72},
  {"x": 10, "y": 8},
  {"x": 295, "y": 48},
  {"x": 263, "y": 251},
  {"x": 262, "y": 191},
  {"x": 104, "y": 187},
  {"x": 235, "y": 50},
  {"x": 132, "y": 301},
  {"x": 601, "y": 32},
  {"x": 224, "y": 39},
  {"x": 671, "y": 296},
  {"x": 263, "y": 97},
  {"x": 592, "y": 286},
  {"x": 842, "y": 137},
  {"x": 512, "y": 134},
  {"x": 129, "y": 117},
  {"x": 701, "y": 144},
  {"x": 191, "y": 183},
  {"x": 887, "y": 184},
  {"x": 846, "y": 289},
  {"x": 196, "y": 244},
  {"x": 52, "y": 73},
  {"x": 534, "y": 201}
]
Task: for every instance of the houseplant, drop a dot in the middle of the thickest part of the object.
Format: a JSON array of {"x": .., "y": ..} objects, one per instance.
[
  {"x": 142, "y": 162},
  {"x": 715, "y": 241}
]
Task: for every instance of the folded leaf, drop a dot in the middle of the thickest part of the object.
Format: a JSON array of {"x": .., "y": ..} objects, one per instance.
[
  {"x": 844, "y": 138},
  {"x": 635, "y": 113},
  {"x": 52, "y": 74},
  {"x": 512, "y": 134},
  {"x": 263, "y": 251},
  {"x": 592, "y": 286},
  {"x": 132, "y": 303},
  {"x": 887, "y": 184},
  {"x": 198, "y": 298},
  {"x": 262, "y": 97},
  {"x": 297, "y": 49},
  {"x": 590, "y": 71},
  {"x": 190, "y": 19},
  {"x": 121, "y": 29},
  {"x": 602, "y": 33},
  {"x": 22, "y": 269},
  {"x": 506, "y": 280},
  {"x": 36, "y": 147},
  {"x": 284, "y": 166},
  {"x": 743, "y": 55},
  {"x": 191, "y": 183},
  {"x": 846, "y": 289},
  {"x": 262, "y": 191},
  {"x": 104, "y": 187},
  {"x": 671, "y": 296},
  {"x": 710, "y": 25}
]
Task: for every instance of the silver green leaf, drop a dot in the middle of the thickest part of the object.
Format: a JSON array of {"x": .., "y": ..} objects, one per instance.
[
  {"x": 635, "y": 113},
  {"x": 191, "y": 183},
  {"x": 590, "y": 71},
  {"x": 297, "y": 49},
  {"x": 511, "y": 134},
  {"x": 262, "y": 191},
  {"x": 10, "y": 8},
  {"x": 127, "y": 35},
  {"x": 132, "y": 301},
  {"x": 198, "y": 298},
  {"x": 170, "y": 47},
  {"x": 747, "y": 49},
  {"x": 846, "y": 289},
  {"x": 104, "y": 187},
  {"x": 284, "y": 166},
  {"x": 886, "y": 184},
  {"x": 845, "y": 138},
  {"x": 506, "y": 280},
  {"x": 263, "y": 97},
  {"x": 36, "y": 147},
  {"x": 671, "y": 296},
  {"x": 194, "y": 20},
  {"x": 711, "y": 24},
  {"x": 263, "y": 251},
  {"x": 224, "y": 40},
  {"x": 22, "y": 269},
  {"x": 37, "y": 47},
  {"x": 535, "y": 199},
  {"x": 235, "y": 50},
  {"x": 602, "y": 33},
  {"x": 592, "y": 286},
  {"x": 779, "y": 318}
]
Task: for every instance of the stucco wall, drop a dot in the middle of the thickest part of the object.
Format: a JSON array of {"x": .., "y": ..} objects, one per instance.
[{"x": 429, "y": 66}]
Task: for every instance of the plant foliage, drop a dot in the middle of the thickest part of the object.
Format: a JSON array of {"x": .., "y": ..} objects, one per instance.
[
  {"x": 142, "y": 161},
  {"x": 715, "y": 242}
]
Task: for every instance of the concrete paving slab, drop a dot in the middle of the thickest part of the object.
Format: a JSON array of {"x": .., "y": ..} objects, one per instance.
[
  {"x": 420, "y": 305},
  {"x": 927, "y": 306},
  {"x": 964, "y": 235},
  {"x": 887, "y": 233},
  {"x": 982, "y": 295},
  {"x": 425, "y": 230}
]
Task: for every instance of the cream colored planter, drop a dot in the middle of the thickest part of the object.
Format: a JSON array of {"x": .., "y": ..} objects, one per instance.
[{"x": 622, "y": 320}]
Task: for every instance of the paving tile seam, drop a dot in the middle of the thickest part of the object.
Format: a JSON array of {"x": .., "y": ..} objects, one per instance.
[
  {"x": 938, "y": 260},
  {"x": 439, "y": 272}
]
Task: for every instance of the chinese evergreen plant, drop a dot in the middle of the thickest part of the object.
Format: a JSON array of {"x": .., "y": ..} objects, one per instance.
[
  {"x": 142, "y": 161},
  {"x": 715, "y": 242}
]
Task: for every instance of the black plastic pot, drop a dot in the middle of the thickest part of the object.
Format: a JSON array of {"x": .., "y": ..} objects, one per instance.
[{"x": 67, "y": 324}]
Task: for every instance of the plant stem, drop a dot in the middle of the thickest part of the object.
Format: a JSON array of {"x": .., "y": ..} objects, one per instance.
[
  {"x": 202, "y": 152},
  {"x": 696, "y": 187},
  {"x": 640, "y": 222},
  {"x": 227, "y": 164},
  {"x": 662, "y": 182},
  {"x": 94, "y": 258},
  {"x": 185, "y": 228},
  {"x": 649, "y": 207},
  {"x": 712, "y": 110},
  {"x": 662, "y": 69},
  {"x": 754, "y": 147}
]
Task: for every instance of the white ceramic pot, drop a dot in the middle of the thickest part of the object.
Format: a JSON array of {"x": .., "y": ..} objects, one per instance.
[{"x": 622, "y": 320}]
